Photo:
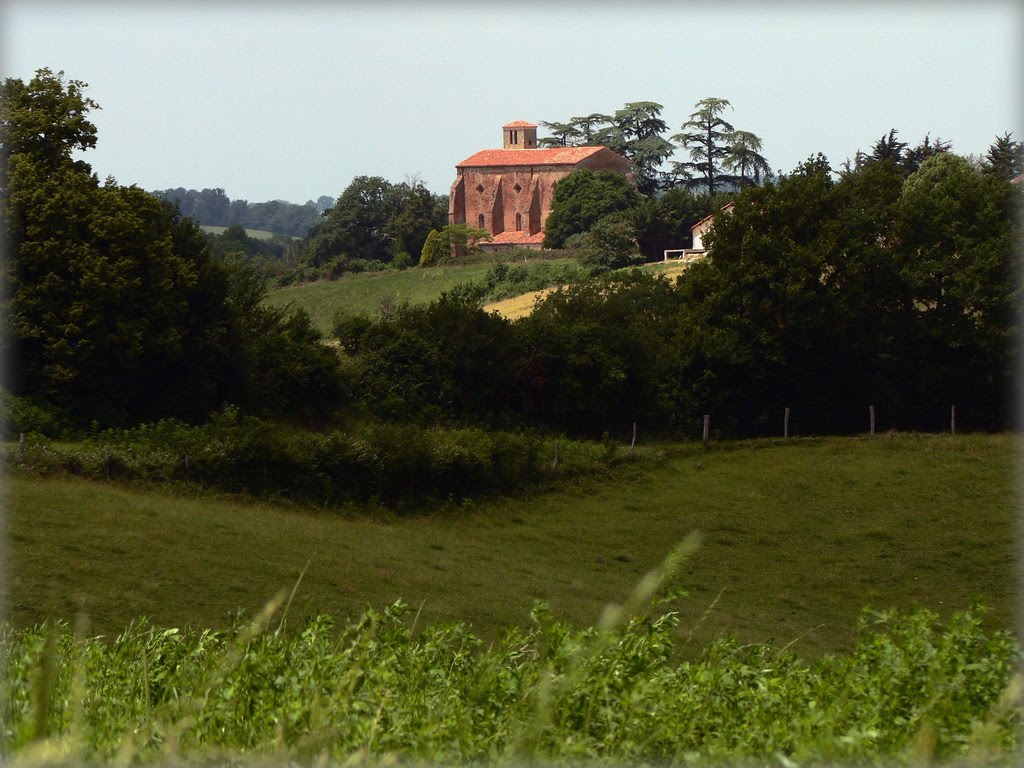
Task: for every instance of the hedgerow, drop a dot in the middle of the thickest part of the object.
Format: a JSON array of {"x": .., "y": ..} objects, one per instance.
[{"x": 388, "y": 464}]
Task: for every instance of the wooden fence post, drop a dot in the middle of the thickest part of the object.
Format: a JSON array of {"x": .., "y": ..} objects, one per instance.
[
  {"x": 554, "y": 464},
  {"x": 21, "y": 446},
  {"x": 952, "y": 419},
  {"x": 632, "y": 445},
  {"x": 871, "y": 418},
  {"x": 785, "y": 423},
  {"x": 707, "y": 428}
]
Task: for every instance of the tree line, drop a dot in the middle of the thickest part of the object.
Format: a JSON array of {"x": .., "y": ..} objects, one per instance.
[
  {"x": 212, "y": 207},
  {"x": 873, "y": 284}
]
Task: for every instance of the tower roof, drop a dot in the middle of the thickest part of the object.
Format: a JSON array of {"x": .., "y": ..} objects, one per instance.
[{"x": 520, "y": 124}]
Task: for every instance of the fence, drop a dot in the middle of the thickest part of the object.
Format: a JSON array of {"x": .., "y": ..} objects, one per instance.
[{"x": 794, "y": 422}]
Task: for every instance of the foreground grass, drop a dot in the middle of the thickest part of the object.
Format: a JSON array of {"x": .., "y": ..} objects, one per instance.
[
  {"x": 371, "y": 692},
  {"x": 798, "y": 536}
]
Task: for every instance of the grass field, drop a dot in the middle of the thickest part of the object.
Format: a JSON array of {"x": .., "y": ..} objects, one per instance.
[
  {"x": 259, "y": 234},
  {"x": 362, "y": 292},
  {"x": 798, "y": 536}
]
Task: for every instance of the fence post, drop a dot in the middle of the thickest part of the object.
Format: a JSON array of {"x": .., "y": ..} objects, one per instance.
[
  {"x": 632, "y": 445},
  {"x": 871, "y": 418},
  {"x": 785, "y": 423},
  {"x": 21, "y": 446},
  {"x": 106, "y": 461},
  {"x": 952, "y": 419},
  {"x": 554, "y": 464},
  {"x": 707, "y": 428}
]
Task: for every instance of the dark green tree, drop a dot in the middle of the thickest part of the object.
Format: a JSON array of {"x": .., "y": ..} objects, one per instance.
[
  {"x": 745, "y": 160},
  {"x": 611, "y": 242},
  {"x": 1005, "y": 158},
  {"x": 634, "y": 131},
  {"x": 419, "y": 214},
  {"x": 706, "y": 136},
  {"x": 356, "y": 227},
  {"x": 583, "y": 197},
  {"x": 956, "y": 243}
]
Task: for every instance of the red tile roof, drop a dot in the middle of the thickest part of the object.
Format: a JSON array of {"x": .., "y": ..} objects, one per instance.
[
  {"x": 553, "y": 156},
  {"x": 515, "y": 238},
  {"x": 1017, "y": 179},
  {"x": 520, "y": 124}
]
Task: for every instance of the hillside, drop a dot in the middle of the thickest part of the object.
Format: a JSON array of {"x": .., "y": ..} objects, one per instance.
[
  {"x": 797, "y": 538},
  {"x": 363, "y": 292}
]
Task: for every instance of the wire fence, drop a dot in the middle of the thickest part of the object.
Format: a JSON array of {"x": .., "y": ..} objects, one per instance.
[{"x": 810, "y": 422}]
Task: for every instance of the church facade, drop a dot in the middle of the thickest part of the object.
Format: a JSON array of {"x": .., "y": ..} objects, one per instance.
[{"x": 508, "y": 191}]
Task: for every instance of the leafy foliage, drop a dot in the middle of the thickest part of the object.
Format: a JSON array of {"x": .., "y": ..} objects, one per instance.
[
  {"x": 373, "y": 222},
  {"x": 583, "y": 197},
  {"x": 371, "y": 691},
  {"x": 402, "y": 466}
]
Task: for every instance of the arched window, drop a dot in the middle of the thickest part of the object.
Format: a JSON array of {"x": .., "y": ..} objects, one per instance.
[
  {"x": 519, "y": 222},
  {"x": 480, "y": 221}
]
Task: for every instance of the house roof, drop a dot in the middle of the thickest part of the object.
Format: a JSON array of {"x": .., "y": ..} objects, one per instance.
[
  {"x": 513, "y": 157},
  {"x": 520, "y": 124},
  {"x": 724, "y": 209},
  {"x": 1017, "y": 179}
]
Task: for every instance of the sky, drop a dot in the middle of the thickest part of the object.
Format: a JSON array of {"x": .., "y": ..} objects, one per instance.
[{"x": 292, "y": 100}]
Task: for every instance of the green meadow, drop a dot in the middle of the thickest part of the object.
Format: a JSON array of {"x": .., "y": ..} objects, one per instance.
[
  {"x": 259, "y": 234},
  {"x": 363, "y": 292},
  {"x": 796, "y": 538}
]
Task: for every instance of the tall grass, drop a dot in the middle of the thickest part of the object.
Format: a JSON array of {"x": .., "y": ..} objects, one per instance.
[{"x": 381, "y": 690}]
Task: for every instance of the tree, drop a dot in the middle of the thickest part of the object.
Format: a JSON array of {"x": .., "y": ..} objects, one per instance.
[
  {"x": 956, "y": 242},
  {"x": 356, "y": 227},
  {"x": 116, "y": 310},
  {"x": 913, "y": 157},
  {"x": 611, "y": 242},
  {"x": 562, "y": 135},
  {"x": 583, "y": 197},
  {"x": 889, "y": 148},
  {"x": 744, "y": 156},
  {"x": 706, "y": 136},
  {"x": 633, "y": 131},
  {"x": 640, "y": 126},
  {"x": 418, "y": 216},
  {"x": 664, "y": 222},
  {"x": 45, "y": 120},
  {"x": 1005, "y": 158}
]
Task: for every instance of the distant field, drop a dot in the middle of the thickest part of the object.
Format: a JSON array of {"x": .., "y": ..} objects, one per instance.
[
  {"x": 362, "y": 292},
  {"x": 798, "y": 537},
  {"x": 259, "y": 234}
]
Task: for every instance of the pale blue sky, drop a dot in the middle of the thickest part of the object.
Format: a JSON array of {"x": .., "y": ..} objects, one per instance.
[{"x": 292, "y": 100}]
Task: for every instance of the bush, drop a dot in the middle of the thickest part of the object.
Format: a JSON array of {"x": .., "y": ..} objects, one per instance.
[
  {"x": 397, "y": 465},
  {"x": 32, "y": 415}
]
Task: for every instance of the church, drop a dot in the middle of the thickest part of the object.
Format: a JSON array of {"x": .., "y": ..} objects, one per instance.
[{"x": 508, "y": 191}]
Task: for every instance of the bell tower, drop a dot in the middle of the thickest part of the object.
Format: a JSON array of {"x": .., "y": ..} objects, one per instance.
[{"x": 519, "y": 135}]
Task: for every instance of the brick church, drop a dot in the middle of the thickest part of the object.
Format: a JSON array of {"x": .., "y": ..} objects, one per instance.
[{"x": 508, "y": 191}]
